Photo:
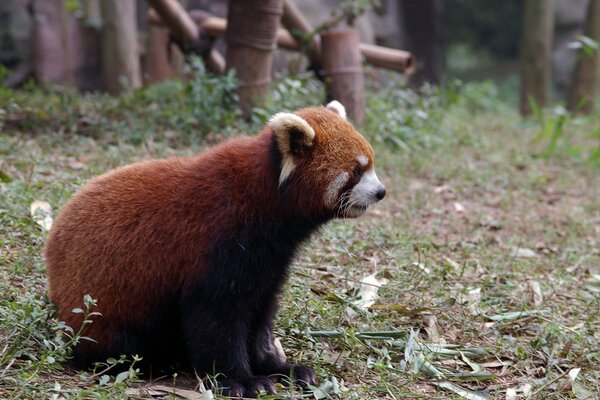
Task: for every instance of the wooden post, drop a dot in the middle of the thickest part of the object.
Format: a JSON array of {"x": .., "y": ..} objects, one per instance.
[
  {"x": 584, "y": 86},
  {"x": 383, "y": 57},
  {"x": 65, "y": 50},
  {"x": 177, "y": 19},
  {"x": 251, "y": 34},
  {"x": 423, "y": 25},
  {"x": 50, "y": 56},
  {"x": 157, "y": 66},
  {"x": 120, "y": 56},
  {"x": 342, "y": 67},
  {"x": 536, "y": 52}
]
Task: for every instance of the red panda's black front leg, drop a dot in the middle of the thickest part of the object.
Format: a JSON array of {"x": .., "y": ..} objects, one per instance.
[
  {"x": 266, "y": 360},
  {"x": 216, "y": 336}
]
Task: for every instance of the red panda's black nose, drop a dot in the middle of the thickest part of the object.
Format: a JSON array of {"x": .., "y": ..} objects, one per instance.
[{"x": 380, "y": 193}]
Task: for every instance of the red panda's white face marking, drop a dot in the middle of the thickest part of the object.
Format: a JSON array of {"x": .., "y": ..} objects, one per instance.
[
  {"x": 326, "y": 162},
  {"x": 366, "y": 192},
  {"x": 332, "y": 193}
]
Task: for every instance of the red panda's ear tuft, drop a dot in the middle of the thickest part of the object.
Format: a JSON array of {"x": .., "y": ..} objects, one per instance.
[
  {"x": 294, "y": 137},
  {"x": 337, "y": 108}
]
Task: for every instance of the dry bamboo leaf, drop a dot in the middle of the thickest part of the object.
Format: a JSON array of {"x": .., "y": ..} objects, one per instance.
[
  {"x": 369, "y": 285},
  {"x": 431, "y": 327},
  {"x": 458, "y": 207},
  {"x": 42, "y": 214},
  {"x": 279, "y": 349},
  {"x": 523, "y": 252},
  {"x": 182, "y": 393},
  {"x": 538, "y": 297},
  {"x": 465, "y": 393},
  {"x": 511, "y": 394}
]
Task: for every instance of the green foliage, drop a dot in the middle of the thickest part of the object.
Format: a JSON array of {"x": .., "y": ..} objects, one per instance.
[
  {"x": 556, "y": 132},
  {"x": 403, "y": 118},
  {"x": 469, "y": 191},
  {"x": 586, "y": 44},
  {"x": 211, "y": 101},
  {"x": 289, "y": 94}
]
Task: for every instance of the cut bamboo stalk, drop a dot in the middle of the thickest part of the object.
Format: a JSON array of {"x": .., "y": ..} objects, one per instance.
[
  {"x": 342, "y": 67},
  {"x": 120, "y": 53},
  {"x": 177, "y": 19},
  {"x": 383, "y": 57},
  {"x": 251, "y": 39},
  {"x": 157, "y": 66},
  {"x": 584, "y": 86},
  {"x": 215, "y": 62}
]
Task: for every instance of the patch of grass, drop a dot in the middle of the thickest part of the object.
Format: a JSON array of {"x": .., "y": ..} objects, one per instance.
[{"x": 490, "y": 252}]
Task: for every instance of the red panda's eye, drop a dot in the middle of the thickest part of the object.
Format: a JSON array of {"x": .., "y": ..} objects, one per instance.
[{"x": 357, "y": 172}]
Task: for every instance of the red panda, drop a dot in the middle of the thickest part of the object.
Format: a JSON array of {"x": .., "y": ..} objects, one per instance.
[{"x": 186, "y": 256}]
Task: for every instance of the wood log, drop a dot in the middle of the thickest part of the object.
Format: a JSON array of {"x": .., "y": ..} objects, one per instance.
[
  {"x": 202, "y": 45},
  {"x": 536, "y": 52},
  {"x": 342, "y": 67},
  {"x": 379, "y": 56},
  {"x": 157, "y": 64},
  {"x": 177, "y": 19},
  {"x": 120, "y": 53},
  {"x": 65, "y": 51},
  {"x": 584, "y": 86},
  {"x": 251, "y": 39},
  {"x": 385, "y": 57}
]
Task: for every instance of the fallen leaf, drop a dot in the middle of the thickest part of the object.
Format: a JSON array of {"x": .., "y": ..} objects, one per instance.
[
  {"x": 465, "y": 393},
  {"x": 516, "y": 315},
  {"x": 431, "y": 327},
  {"x": 327, "y": 388},
  {"x": 42, "y": 214},
  {"x": 279, "y": 349},
  {"x": 538, "y": 298},
  {"x": 75, "y": 164},
  {"x": 181, "y": 393},
  {"x": 369, "y": 285},
  {"x": 523, "y": 252},
  {"x": 526, "y": 389},
  {"x": 458, "y": 207},
  {"x": 573, "y": 374},
  {"x": 511, "y": 394}
]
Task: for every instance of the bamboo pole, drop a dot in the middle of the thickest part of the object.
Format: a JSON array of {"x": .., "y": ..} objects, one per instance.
[
  {"x": 178, "y": 20},
  {"x": 584, "y": 86},
  {"x": 120, "y": 56},
  {"x": 379, "y": 56},
  {"x": 536, "y": 52},
  {"x": 213, "y": 59},
  {"x": 251, "y": 39},
  {"x": 342, "y": 67},
  {"x": 157, "y": 66}
]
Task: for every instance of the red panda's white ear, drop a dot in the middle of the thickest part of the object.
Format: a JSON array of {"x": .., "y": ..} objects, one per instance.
[
  {"x": 337, "y": 107},
  {"x": 294, "y": 136}
]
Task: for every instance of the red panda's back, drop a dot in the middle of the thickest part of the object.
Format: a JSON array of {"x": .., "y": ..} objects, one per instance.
[{"x": 114, "y": 240}]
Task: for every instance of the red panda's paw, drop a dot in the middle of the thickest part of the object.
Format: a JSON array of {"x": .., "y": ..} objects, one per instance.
[
  {"x": 302, "y": 376},
  {"x": 250, "y": 387}
]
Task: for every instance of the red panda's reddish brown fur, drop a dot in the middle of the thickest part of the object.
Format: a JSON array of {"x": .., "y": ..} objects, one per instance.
[{"x": 175, "y": 250}]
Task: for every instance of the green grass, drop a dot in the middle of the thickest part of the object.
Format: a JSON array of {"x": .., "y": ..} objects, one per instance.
[{"x": 488, "y": 242}]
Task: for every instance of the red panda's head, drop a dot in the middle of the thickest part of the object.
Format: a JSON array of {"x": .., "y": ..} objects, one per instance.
[{"x": 327, "y": 162}]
